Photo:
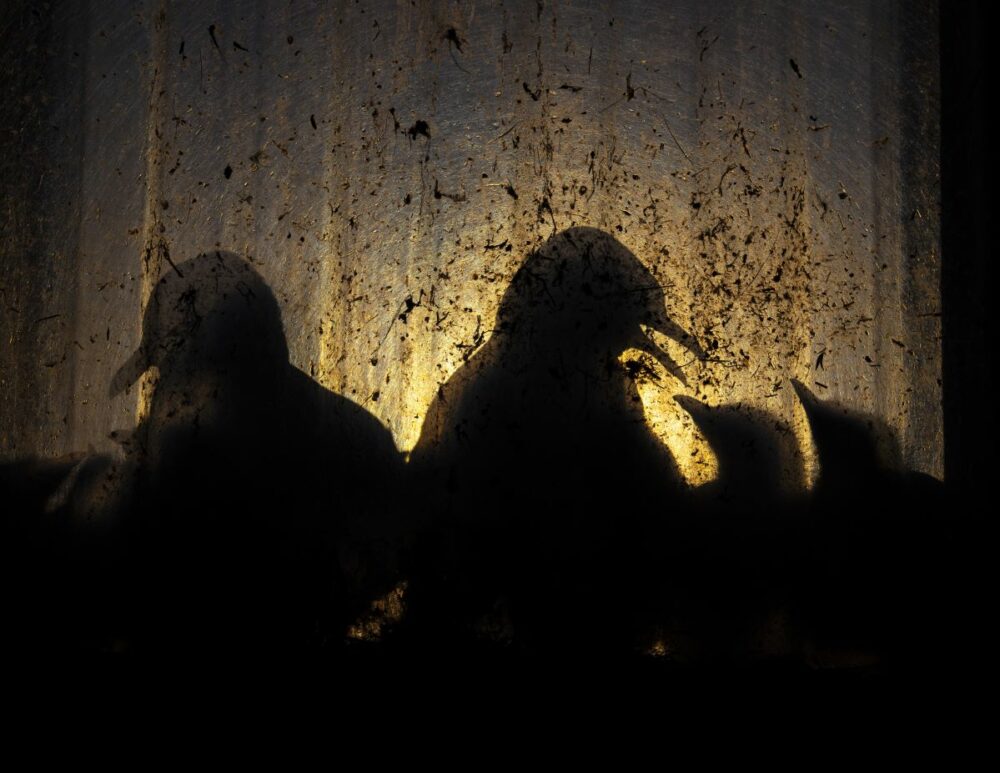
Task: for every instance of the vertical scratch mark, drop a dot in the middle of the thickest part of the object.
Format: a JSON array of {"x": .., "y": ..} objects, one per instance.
[{"x": 154, "y": 243}]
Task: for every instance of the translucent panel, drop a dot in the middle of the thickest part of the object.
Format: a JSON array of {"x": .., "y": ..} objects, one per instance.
[{"x": 387, "y": 167}]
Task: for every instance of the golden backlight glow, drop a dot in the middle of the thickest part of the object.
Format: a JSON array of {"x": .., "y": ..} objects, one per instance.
[
  {"x": 384, "y": 612},
  {"x": 388, "y": 206},
  {"x": 667, "y": 420},
  {"x": 671, "y": 424}
]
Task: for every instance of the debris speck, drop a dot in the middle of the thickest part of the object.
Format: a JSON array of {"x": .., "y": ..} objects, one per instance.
[
  {"x": 211, "y": 34},
  {"x": 452, "y": 37},
  {"x": 419, "y": 128}
]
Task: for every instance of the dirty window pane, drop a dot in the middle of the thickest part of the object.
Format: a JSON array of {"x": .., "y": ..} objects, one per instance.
[
  {"x": 387, "y": 168},
  {"x": 574, "y": 329}
]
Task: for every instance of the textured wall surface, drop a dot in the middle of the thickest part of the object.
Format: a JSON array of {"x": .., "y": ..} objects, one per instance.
[{"x": 387, "y": 166}]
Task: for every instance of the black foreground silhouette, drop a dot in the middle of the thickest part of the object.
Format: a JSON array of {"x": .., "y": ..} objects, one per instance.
[{"x": 253, "y": 513}]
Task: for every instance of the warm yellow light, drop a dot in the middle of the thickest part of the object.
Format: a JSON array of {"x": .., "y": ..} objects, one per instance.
[
  {"x": 670, "y": 423},
  {"x": 385, "y": 611}
]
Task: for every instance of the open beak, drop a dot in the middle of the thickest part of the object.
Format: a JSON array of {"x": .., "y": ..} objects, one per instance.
[{"x": 666, "y": 327}]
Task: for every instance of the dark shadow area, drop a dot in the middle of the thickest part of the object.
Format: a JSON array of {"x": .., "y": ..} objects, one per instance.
[
  {"x": 966, "y": 270},
  {"x": 246, "y": 511},
  {"x": 252, "y": 513},
  {"x": 967, "y": 277}
]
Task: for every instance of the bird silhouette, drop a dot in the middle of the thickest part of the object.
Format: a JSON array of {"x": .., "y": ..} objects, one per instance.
[
  {"x": 736, "y": 564},
  {"x": 549, "y": 471},
  {"x": 862, "y": 476},
  {"x": 254, "y": 498},
  {"x": 878, "y": 545},
  {"x": 758, "y": 457}
]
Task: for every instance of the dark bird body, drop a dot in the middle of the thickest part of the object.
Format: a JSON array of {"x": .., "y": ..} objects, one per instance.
[
  {"x": 540, "y": 442},
  {"x": 879, "y": 541},
  {"x": 248, "y": 513},
  {"x": 737, "y": 564}
]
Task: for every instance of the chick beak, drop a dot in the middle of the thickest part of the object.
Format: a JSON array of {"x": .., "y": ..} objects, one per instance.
[
  {"x": 129, "y": 373},
  {"x": 696, "y": 409},
  {"x": 807, "y": 398}
]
